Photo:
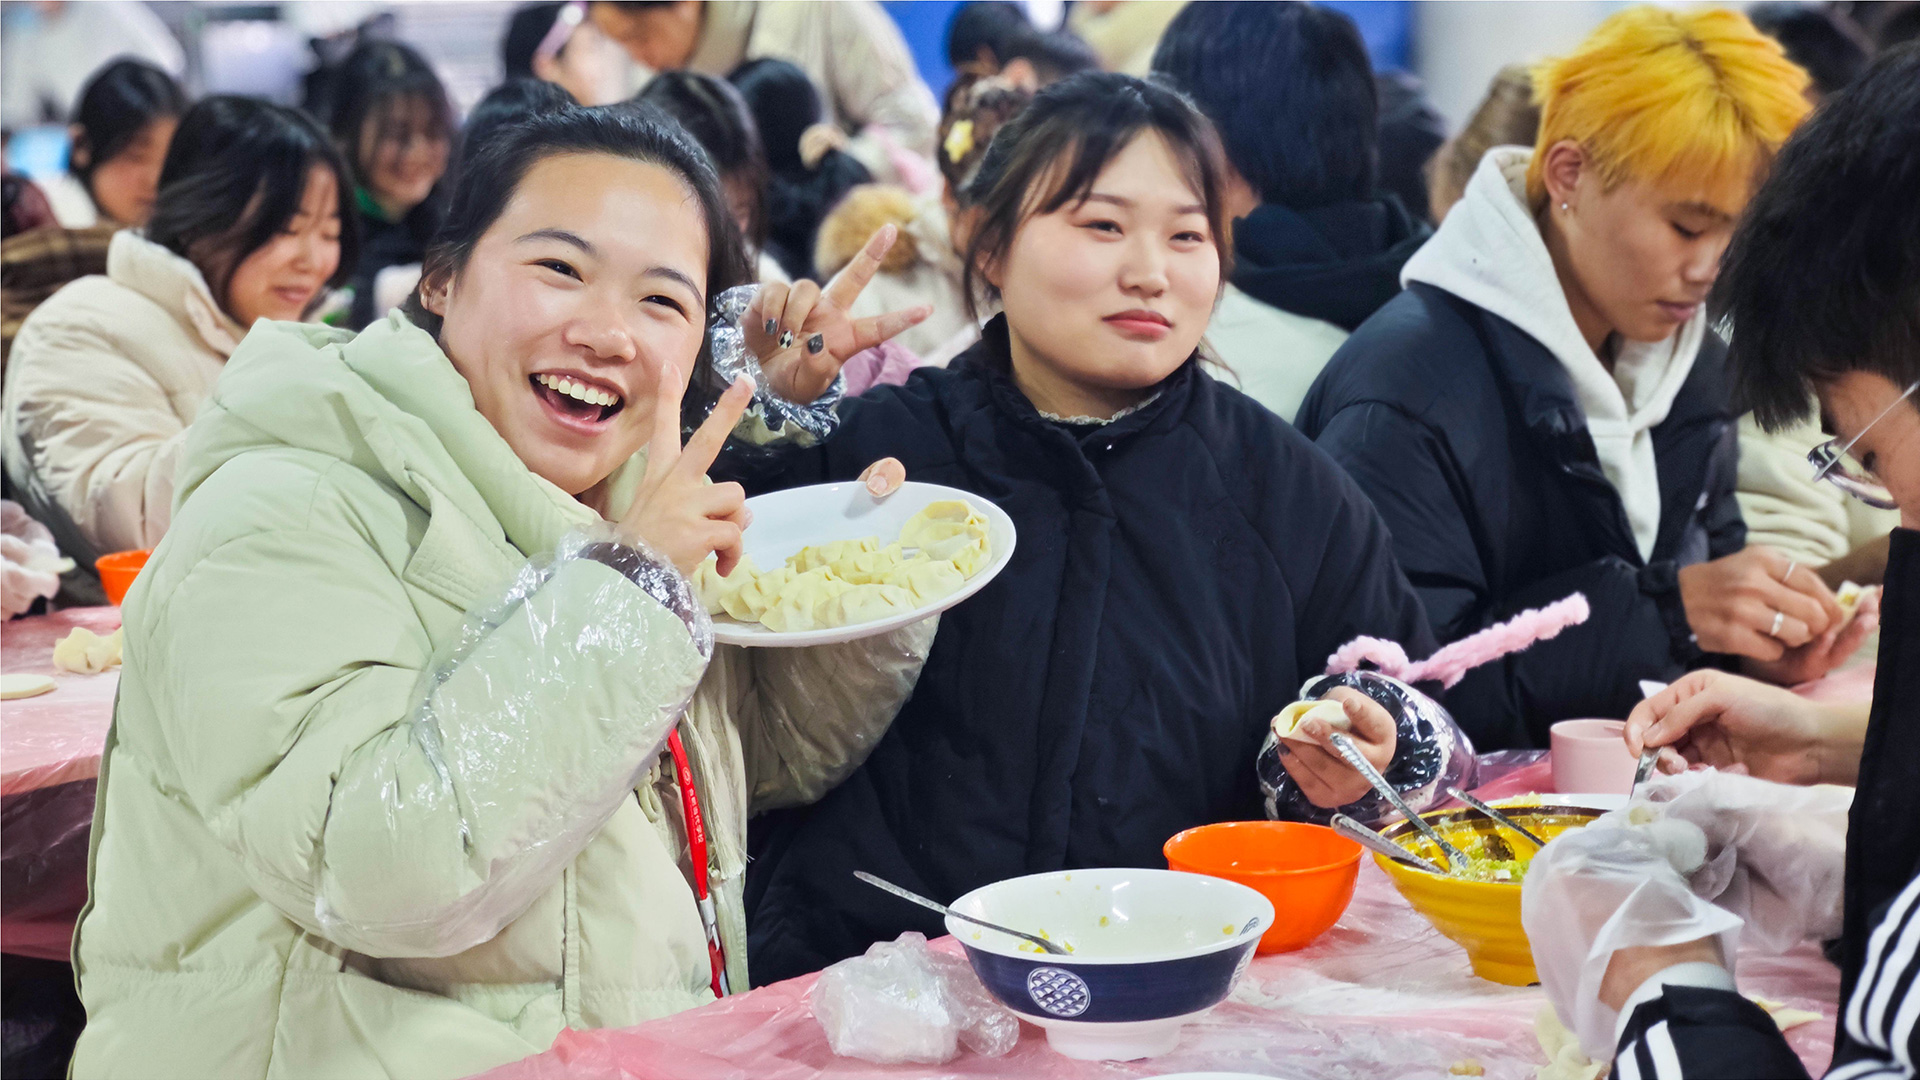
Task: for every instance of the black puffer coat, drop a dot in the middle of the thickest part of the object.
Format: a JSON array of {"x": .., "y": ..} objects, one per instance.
[
  {"x": 1179, "y": 574},
  {"x": 1466, "y": 433}
]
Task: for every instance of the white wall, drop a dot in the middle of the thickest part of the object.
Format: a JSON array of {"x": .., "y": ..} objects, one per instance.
[{"x": 1459, "y": 45}]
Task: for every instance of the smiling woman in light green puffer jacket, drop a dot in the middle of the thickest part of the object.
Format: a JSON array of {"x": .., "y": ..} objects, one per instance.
[{"x": 358, "y": 814}]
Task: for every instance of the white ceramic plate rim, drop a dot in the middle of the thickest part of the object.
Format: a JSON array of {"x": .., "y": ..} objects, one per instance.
[
  {"x": 968, "y": 905},
  {"x": 1001, "y": 535}
]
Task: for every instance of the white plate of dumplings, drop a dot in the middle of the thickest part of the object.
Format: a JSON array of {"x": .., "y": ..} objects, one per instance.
[{"x": 831, "y": 563}]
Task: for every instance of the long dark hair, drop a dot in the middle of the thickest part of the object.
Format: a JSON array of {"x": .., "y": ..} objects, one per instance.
[
  {"x": 638, "y": 133},
  {"x": 372, "y": 84},
  {"x": 715, "y": 114},
  {"x": 785, "y": 103},
  {"x": 117, "y": 105},
  {"x": 234, "y": 178},
  {"x": 1083, "y": 122}
]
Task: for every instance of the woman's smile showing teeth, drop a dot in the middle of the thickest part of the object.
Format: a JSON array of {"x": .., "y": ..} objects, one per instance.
[{"x": 576, "y": 403}]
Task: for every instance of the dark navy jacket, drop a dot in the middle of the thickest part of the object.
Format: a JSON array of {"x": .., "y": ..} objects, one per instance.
[
  {"x": 1467, "y": 435},
  {"x": 1179, "y": 574}
]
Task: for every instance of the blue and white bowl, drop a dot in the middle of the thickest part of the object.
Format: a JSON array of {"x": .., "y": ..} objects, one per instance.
[{"x": 1151, "y": 950}]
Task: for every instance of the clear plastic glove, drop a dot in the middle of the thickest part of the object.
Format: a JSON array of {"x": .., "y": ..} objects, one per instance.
[
  {"x": 30, "y": 563},
  {"x": 1776, "y": 853},
  {"x": 1694, "y": 856},
  {"x": 903, "y": 1002},
  {"x": 1610, "y": 886}
]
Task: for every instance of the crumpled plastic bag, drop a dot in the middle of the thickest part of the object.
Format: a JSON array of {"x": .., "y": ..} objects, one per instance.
[
  {"x": 1698, "y": 855},
  {"x": 903, "y": 1003}
]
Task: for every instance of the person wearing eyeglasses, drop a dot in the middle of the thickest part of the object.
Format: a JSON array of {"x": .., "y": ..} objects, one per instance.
[{"x": 1822, "y": 287}]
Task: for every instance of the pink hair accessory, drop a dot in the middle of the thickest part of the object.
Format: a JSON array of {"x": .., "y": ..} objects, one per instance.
[{"x": 1448, "y": 664}]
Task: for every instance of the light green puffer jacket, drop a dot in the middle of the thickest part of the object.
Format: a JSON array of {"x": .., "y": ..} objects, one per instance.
[{"x": 299, "y": 868}]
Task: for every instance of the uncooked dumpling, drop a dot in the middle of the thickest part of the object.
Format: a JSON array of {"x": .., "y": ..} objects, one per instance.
[
  {"x": 928, "y": 580},
  {"x": 871, "y": 567},
  {"x": 1291, "y": 717},
  {"x": 866, "y": 603},
  {"x": 940, "y": 521},
  {"x": 754, "y": 598},
  {"x": 846, "y": 582},
  {"x": 802, "y": 602},
  {"x": 813, "y": 558},
  {"x": 712, "y": 589},
  {"x": 86, "y": 653}
]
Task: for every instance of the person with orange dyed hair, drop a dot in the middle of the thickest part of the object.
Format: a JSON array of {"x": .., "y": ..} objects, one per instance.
[{"x": 1543, "y": 410}]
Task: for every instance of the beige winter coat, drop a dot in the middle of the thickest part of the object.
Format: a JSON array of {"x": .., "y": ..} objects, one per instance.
[
  {"x": 852, "y": 51},
  {"x": 102, "y": 381}
]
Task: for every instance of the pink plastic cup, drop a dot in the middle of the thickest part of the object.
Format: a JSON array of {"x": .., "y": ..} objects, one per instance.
[{"x": 1590, "y": 757}]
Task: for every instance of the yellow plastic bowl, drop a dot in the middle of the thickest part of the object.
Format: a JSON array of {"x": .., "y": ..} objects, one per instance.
[{"x": 1483, "y": 917}]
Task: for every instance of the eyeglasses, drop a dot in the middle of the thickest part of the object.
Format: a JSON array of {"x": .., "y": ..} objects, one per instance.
[{"x": 1836, "y": 464}]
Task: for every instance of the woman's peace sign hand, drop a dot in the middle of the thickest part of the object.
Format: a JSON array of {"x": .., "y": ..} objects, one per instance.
[
  {"x": 803, "y": 333},
  {"x": 677, "y": 512}
]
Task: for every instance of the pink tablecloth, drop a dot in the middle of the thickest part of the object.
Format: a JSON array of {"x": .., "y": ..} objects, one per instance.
[
  {"x": 49, "y": 758},
  {"x": 1381, "y": 996},
  {"x": 57, "y": 737}
]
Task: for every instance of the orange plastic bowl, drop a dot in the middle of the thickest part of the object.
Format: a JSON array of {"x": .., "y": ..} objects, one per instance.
[
  {"x": 117, "y": 572},
  {"x": 1307, "y": 871}
]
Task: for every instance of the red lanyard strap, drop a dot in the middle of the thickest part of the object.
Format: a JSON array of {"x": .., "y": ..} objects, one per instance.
[{"x": 697, "y": 845}]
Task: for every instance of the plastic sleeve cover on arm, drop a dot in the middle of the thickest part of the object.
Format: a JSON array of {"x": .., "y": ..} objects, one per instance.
[
  {"x": 770, "y": 420},
  {"x": 446, "y": 827},
  {"x": 809, "y": 717},
  {"x": 406, "y": 805}
]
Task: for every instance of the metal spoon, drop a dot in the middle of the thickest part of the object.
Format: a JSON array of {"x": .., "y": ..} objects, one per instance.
[
  {"x": 1643, "y": 770},
  {"x": 1353, "y": 830},
  {"x": 1343, "y": 745},
  {"x": 1498, "y": 818},
  {"x": 905, "y": 894}
]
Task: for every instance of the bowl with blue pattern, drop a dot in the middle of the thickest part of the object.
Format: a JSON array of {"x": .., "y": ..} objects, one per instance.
[{"x": 1148, "y": 951}]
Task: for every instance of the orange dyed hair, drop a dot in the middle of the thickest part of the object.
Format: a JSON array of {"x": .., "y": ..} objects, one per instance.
[{"x": 1694, "y": 101}]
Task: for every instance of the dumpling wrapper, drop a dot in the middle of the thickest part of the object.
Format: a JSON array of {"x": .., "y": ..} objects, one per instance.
[
  {"x": 822, "y": 555},
  {"x": 712, "y": 589},
  {"x": 928, "y": 580},
  {"x": 752, "y": 599},
  {"x": 84, "y": 652},
  {"x": 802, "y": 602},
  {"x": 1287, "y": 724},
  {"x": 16, "y": 686},
  {"x": 867, "y": 603}
]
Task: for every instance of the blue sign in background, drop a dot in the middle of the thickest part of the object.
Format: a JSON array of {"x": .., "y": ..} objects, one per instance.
[{"x": 1386, "y": 25}]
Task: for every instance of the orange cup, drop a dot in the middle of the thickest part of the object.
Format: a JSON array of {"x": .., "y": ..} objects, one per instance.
[
  {"x": 117, "y": 572},
  {"x": 1308, "y": 871}
]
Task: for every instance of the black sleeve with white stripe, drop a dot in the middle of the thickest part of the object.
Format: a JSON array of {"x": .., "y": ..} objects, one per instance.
[
  {"x": 1879, "y": 1038},
  {"x": 1694, "y": 1033}
]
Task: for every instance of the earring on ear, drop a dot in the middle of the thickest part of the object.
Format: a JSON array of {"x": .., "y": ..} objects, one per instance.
[{"x": 1565, "y": 209}]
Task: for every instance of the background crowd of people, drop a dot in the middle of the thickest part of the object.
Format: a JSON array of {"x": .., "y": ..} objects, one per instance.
[{"x": 1259, "y": 356}]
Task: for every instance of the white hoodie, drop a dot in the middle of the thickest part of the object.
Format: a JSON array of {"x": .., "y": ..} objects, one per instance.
[{"x": 1489, "y": 252}]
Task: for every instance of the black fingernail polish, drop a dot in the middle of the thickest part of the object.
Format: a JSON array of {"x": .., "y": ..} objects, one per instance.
[
  {"x": 816, "y": 343},
  {"x": 786, "y": 339},
  {"x": 772, "y": 325}
]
